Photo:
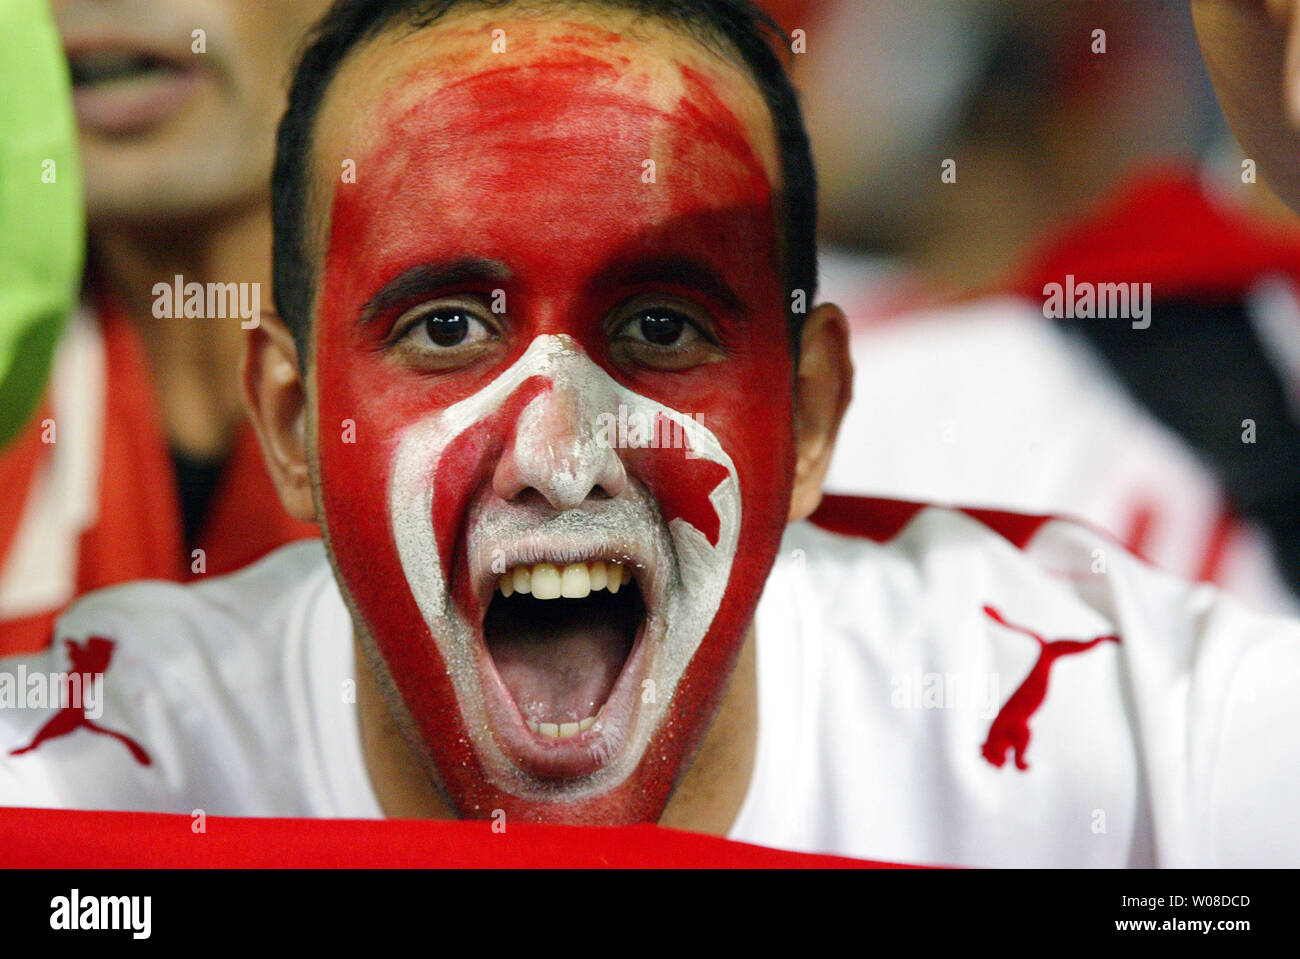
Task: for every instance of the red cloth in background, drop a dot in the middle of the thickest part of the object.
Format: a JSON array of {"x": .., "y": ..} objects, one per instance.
[
  {"x": 1161, "y": 228},
  {"x": 137, "y": 529}
]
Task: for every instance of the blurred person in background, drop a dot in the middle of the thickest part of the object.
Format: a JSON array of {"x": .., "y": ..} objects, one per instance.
[
  {"x": 139, "y": 462},
  {"x": 1072, "y": 153}
]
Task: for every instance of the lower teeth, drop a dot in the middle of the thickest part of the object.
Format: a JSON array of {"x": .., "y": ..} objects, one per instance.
[{"x": 560, "y": 730}]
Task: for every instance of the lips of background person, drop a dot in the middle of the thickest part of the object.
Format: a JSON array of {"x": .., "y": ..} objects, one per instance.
[{"x": 539, "y": 166}]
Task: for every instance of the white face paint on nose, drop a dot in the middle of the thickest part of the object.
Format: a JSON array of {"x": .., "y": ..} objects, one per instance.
[{"x": 556, "y": 449}]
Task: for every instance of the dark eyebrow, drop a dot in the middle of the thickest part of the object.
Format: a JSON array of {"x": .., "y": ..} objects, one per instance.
[
  {"x": 669, "y": 271},
  {"x": 430, "y": 277}
]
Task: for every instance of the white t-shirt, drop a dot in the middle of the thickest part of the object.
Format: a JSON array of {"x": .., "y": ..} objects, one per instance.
[
  {"x": 240, "y": 690},
  {"x": 892, "y": 672}
]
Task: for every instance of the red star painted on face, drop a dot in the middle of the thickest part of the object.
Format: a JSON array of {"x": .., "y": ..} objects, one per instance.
[{"x": 681, "y": 480}]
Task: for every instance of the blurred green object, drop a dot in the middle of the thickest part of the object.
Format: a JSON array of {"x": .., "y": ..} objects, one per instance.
[{"x": 42, "y": 228}]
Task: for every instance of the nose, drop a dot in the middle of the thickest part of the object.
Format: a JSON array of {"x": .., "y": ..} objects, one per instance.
[{"x": 559, "y": 452}]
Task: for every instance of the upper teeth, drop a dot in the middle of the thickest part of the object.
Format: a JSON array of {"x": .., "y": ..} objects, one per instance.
[{"x": 574, "y": 581}]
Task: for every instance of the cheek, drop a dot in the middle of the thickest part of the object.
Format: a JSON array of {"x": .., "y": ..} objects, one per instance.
[
  {"x": 747, "y": 402},
  {"x": 356, "y": 432},
  {"x": 361, "y": 418},
  {"x": 760, "y": 432},
  {"x": 750, "y": 410}
]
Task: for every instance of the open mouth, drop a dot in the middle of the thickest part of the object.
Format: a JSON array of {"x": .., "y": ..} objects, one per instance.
[
  {"x": 560, "y": 637},
  {"x": 107, "y": 67},
  {"x": 563, "y": 640},
  {"x": 122, "y": 90}
]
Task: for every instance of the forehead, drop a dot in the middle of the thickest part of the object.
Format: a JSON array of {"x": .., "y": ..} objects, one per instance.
[{"x": 529, "y": 115}]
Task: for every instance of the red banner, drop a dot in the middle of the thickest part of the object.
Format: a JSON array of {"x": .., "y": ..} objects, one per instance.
[{"x": 57, "y": 838}]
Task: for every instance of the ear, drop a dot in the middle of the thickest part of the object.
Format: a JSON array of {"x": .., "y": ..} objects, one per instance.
[
  {"x": 276, "y": 398},
  {"x": 823, "y": 388}
]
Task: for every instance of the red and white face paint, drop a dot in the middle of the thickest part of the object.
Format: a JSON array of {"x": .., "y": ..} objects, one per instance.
[
  {"x": 533, "y": 449},
  {"x": 680, "y": 569}
]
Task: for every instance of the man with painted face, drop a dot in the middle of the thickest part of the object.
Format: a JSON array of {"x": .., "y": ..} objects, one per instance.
[
  {"x": 538, "y": 398},
  {"x": 543, "y": 369}
]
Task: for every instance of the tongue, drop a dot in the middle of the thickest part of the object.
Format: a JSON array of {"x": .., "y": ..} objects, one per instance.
[{"x": 558, "y": 658}]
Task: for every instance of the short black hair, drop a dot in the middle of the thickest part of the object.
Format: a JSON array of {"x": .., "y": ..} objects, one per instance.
[{"x": 734, "y": 24}]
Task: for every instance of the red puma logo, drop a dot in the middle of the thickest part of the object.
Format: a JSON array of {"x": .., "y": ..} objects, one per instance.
[
  {"x": 92, "y": 656},
  {"x": 1010, "y": 729}
]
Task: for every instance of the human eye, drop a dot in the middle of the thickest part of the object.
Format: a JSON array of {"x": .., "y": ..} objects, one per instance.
[
  {"x": 662, "y": 336},
  {"x": 443, "y": 334}
]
